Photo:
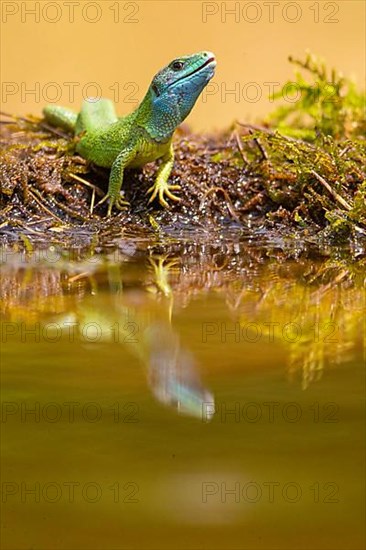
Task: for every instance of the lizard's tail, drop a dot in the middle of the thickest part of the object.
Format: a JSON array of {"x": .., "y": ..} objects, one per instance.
[{"x": 61, "y": 117}]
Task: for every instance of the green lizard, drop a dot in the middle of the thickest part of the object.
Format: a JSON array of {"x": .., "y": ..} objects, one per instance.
[{"x": 145, "y": 134}]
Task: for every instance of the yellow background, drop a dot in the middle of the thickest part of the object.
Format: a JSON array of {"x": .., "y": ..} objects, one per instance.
[{"x": 148, "y": 34}]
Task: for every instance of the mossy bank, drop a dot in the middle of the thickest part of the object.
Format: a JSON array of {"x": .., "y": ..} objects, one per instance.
[{"x": 301, "y": 173}]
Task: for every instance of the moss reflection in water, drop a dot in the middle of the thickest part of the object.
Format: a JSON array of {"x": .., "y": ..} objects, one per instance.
[{"x": 314, "y": 309}]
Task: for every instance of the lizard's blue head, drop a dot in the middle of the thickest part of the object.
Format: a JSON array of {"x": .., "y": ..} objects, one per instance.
[
  {"x": 185, "y": 77},
  {"x": 175, "y": 89}
]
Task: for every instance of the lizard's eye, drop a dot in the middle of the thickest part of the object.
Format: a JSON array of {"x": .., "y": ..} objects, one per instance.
[
  {"x": 177, "y": 65},
  {"x": 156, "y": 90}
]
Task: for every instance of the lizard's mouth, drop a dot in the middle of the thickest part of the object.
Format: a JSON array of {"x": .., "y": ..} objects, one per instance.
[{"x": 208, "y": 62}]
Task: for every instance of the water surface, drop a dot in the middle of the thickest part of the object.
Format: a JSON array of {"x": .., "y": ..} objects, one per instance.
[{"x": 212, "y": 398}]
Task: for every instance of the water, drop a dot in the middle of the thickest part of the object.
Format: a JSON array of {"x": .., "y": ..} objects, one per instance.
[{"x": 211, "y": 399}]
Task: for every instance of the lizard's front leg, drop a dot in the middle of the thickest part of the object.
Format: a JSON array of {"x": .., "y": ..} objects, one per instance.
[
  {"x": 116, "y": 179},
  {"x": 161, "y": 186}
]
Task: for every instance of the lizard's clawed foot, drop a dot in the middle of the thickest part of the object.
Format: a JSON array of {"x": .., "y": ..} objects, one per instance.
[
  {"x": 162, "y": 189},
  {"x": 118, "y": 202}
]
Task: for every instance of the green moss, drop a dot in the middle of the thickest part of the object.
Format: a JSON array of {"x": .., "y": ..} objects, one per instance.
[{"x": 327, "y": 104}]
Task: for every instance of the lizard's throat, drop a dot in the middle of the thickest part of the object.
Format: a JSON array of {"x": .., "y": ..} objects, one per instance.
[{"x": 165, "y": 115}]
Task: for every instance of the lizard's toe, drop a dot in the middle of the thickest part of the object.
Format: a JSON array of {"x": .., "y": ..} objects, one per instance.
[
  {"x": 161, "y": 190},
  {"x": 121, "y": 204},
  {"x": 171, "y": 195}
]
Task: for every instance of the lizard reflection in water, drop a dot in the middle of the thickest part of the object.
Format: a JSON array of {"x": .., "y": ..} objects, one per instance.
[{"x": 144, "y": 324}]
